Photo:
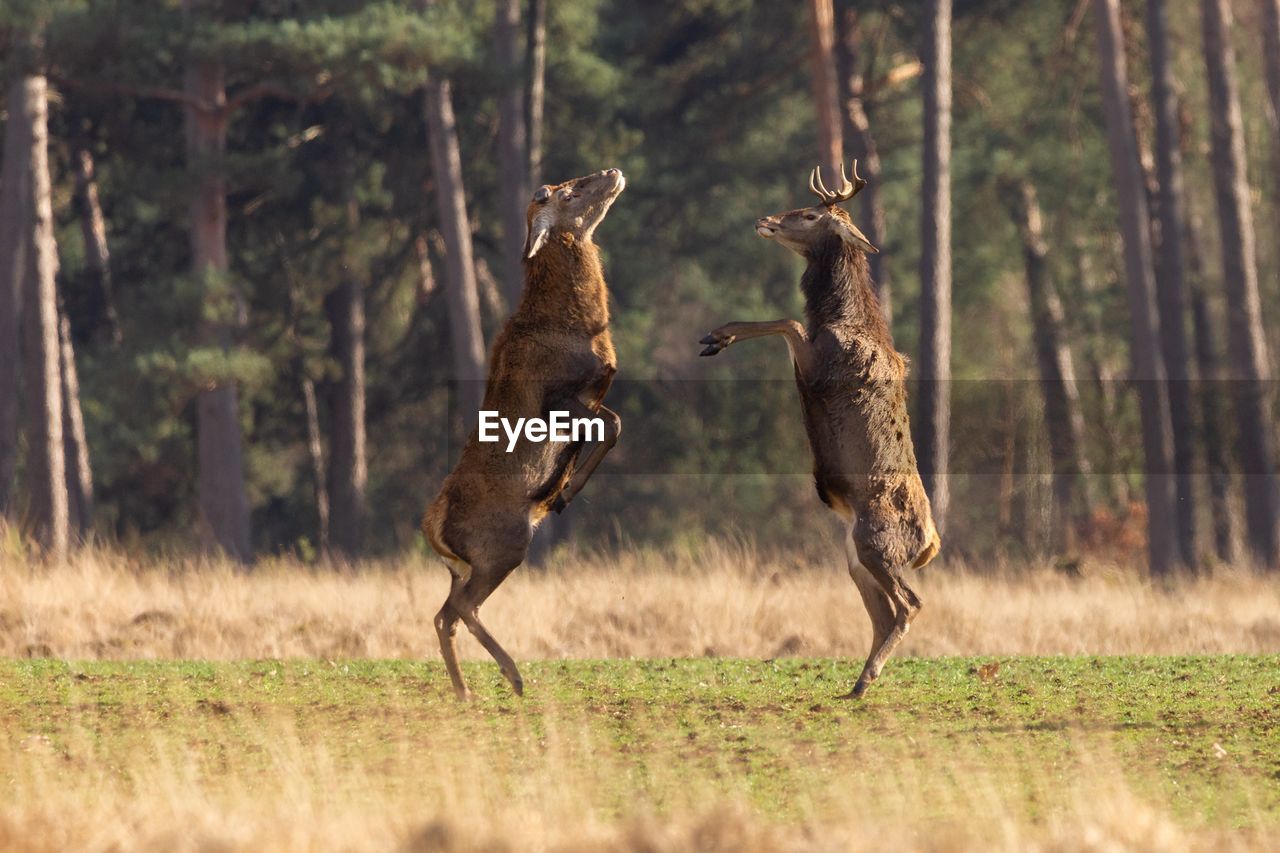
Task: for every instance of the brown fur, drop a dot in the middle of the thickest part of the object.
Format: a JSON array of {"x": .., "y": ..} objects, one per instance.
[
  {"x": 852, "y": 390},
  {"x": 554, "y": 353}
]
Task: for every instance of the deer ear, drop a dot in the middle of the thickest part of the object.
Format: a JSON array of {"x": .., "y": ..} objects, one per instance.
[
  {"x": 539, "y": 228},
  {"x": 851, "y": 235}
]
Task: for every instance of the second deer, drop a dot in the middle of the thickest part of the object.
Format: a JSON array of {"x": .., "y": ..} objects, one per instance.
[
  {"x": 554, "y": 354},
  {"x": 852, "y": 391}
]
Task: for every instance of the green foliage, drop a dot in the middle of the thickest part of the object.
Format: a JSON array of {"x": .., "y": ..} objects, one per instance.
[{"x": 707, "y": 108}]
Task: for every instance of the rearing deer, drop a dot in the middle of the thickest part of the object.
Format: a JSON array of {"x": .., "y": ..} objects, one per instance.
[
  {"x": 851, "y": 382},
  {"x": 554, "y": 354}
]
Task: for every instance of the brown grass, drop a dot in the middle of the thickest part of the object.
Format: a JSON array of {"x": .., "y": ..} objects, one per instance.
[{"x": 719, "y": 599}]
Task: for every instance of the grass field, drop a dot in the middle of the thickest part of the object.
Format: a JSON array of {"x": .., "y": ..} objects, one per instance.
[
  {"x": 1149, "y": 752},
  {"x": 678, "y": 699}
]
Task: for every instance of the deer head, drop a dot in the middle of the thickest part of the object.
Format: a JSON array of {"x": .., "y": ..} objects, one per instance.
[
  {"x": 807, "y": 228},
  {"x": 574, "y": 207}
]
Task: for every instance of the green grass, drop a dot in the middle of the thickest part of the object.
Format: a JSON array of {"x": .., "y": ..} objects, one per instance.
[{"x": 1197, "y": 736}]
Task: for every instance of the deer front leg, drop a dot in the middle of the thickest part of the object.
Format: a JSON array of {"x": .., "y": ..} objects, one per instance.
[
  {"x": 797, "y": 341},
  {"x": 587, "y": 466}
]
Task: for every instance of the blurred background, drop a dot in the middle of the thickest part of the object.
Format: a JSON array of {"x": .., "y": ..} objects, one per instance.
[{"x": 253, "y": 250}]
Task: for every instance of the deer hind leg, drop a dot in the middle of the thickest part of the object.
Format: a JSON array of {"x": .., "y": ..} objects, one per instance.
[
  {"x": 906, "y": 604},
  {"x": 446, "y": 622},
  {"x": 879, "y": 607},
  {"x": 467, "y": 604},
  {"x": 510, "y": 542}
]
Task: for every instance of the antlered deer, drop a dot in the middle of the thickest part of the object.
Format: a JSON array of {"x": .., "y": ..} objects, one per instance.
[
  {"x": 554, "y": 354},
  {"x": 852, "y": 390}
]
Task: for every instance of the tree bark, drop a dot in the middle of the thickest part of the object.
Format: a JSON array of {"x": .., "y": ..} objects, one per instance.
[
  {"x": 1171, "y": 282},
  {"x": 1250, "y": 370},
  {"x": 75, "y": 444},
  {"x": 513, "y": 147},
  {"x": 1144, "y": 344},
  {"x": 1102, "y": 376},
  {"x": 348, "y": 469},
  {"x": 822, "y": 41},
  {"x": 1213, "y": 428},
  {"x": 1064, "y": 421},
  {"x": 224, "y": 505},
  {"x": 315, "y": 450},
  {"x": 41, "y": 353},
  {"x": 1270, "y": 19},
  {"x": 536, "y": 94},
  {"x": 93, "y": 227},
  {"x": 862, "y": 144},
  {"x": 460, "y": 279},
  {"x": 15, "y": 181},
  {"x": 934, "y": 424}
]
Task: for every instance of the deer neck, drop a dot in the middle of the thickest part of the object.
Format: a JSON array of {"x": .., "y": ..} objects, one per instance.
[
  {"x": 838, "y": 293},
  {"x": 564, "y": 285}
]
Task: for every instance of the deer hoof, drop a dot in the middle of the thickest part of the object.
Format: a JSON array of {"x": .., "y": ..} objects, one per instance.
[{"x": 715, "y": 342}]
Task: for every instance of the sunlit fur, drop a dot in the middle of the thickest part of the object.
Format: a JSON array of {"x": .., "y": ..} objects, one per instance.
[
  {"x": 853, "y": 394},
  {"x": 553, "y": 353}
]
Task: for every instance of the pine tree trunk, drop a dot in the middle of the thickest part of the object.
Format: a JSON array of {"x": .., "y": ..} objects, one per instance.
[
  {"x": 41, "y": 353},
  {"x": 460, "y": 278},
  {"x": 825, "y": 97},
  {"x": 934, "y": 423},
  {"x": 1171, "y": 282},
  {"x": 93, "y": 228},
  {"x": 315, "y": 450},
  {"x": 513, "y": 149},
  {"x": 1064, "y": 421},
  {"x": 536, "y": 94},
  {"x": 75, "y": 444},
  {"x": 220, "y": 486},
  {"x": 1246, "y": 343},
  {"x": 1102, "y": 377},
  {"x": 1270, "y": 20},
  {"x": 1144, "y": 345},
  {"x": 348, "y": 470},
  {"x": 15, "y": 181},
  {"x": 862, "y": 145},
  {"x": 1214, "y": 428}
]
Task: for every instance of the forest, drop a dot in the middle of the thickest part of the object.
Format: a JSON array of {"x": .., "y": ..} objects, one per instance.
[{"x": 253, "y": 254}]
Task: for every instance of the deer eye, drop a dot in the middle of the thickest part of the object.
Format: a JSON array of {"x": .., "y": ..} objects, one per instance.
[
  {"x": 811, "y": 216},
  {"x": 542, "y": 194}
]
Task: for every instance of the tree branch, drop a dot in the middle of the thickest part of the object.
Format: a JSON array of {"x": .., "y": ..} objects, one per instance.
[{"x": 107, "y": 87}]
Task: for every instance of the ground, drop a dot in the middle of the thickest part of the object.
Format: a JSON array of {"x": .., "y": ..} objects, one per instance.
[{"x": 656, "y": 754}]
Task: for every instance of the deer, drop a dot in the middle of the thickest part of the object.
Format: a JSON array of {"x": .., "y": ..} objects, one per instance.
[
  {"x": 853, "y": 396},
  {"x": 553, "y": 354}
]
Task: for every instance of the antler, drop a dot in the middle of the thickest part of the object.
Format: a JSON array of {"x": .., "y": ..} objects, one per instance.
[{"x": 848, "y": 189}]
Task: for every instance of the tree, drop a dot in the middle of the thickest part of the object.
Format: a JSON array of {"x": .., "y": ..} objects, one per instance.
[
  {"x": 75, "y": 444},
  {"x": 14, "y": 191},
  {"x": 934, "y": 422},
  {"x": 825, "y": 96},
  {"x": 1213, "y": 427},
  {"x": 460, "y": 278},
  {"x": 535, "y": 97},
  {"x": 1147, "y": 368},
  {"x": 1064, "y": 421},
  {"x": 513, "y": 149},
  {"x": 862, "y": 142},
  {"x": 1171, "y": 282},
  {"x": 1270, "y": 19},
  {"x": 1250, "y": 371},
  {"x": 348, "y": 468},
  {"x": 41, "y": 352},
  {"x": 224, "y": 505},
  {"x": 93, "y": 229}
]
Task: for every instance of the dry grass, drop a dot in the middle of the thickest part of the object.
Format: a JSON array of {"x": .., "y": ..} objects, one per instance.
[
  {"x": 299, "y": 789},
  {"x": 719, "y": 599}
]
